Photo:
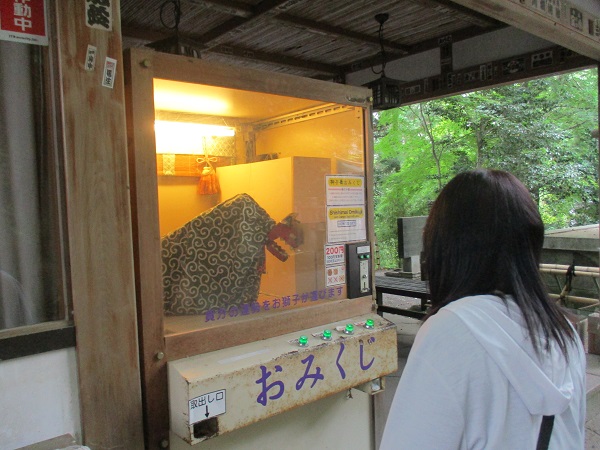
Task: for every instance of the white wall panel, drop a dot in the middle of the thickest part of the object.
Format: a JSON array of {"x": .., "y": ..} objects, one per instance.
[{"x": 38, "y": 398}]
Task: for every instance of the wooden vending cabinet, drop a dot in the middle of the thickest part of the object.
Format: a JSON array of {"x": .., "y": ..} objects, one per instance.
[{"x": 274, "y": 143}]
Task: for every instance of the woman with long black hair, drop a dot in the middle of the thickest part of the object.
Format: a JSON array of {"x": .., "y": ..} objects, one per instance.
[{"x": 495, "y": 354}]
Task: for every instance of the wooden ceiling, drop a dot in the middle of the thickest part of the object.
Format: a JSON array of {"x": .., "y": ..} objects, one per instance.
[{"x": 325, "y": 39}]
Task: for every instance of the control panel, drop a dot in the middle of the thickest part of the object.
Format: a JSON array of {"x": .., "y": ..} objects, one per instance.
[
  {"x": 221, "y": 391},
  {"x": 358, "y": 269}
]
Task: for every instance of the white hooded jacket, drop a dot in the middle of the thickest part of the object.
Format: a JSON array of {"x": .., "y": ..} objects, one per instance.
[{"x": 473, "y": 381}]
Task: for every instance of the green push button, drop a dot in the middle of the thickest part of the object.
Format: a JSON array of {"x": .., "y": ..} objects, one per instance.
[
  {"x": 303, "y": 341},
  {"x": 349, "y": 329},
  {"x": 326, "y": 335},
  {"x": 369, "y": 323}
]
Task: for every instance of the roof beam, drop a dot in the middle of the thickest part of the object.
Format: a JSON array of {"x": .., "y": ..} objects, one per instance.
[
  {"x": 245, "y": 11},
  {"x": 418, "y": 48},
  {"x": 338, "y": 32},
  {"x": 231, "y": 7},
  {"x": 147, "y": 36},
  {"x": 560, "y": 61},
  {"x": 279, "y": 60},
  {"x": 576, "y": 35},
  {"x": 468, "y": 15},
  {"x": 220, "y": 33}
]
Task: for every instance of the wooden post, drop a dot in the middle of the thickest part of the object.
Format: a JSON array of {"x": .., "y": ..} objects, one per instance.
[
  {"x": 594, "y": 319},
  {"x": 99, "y": 231}
]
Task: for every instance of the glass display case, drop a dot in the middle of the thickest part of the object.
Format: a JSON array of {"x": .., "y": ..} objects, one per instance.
[
  {"x": 243, "y": 192},
  {"x": 247, "y": 188}
]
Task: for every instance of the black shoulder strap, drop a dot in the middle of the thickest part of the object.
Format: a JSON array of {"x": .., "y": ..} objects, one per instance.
[{"x": 545, "y": 432}]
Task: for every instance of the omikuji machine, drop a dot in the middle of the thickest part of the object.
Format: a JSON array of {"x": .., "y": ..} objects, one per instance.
[{"x": 253, "y": 219}]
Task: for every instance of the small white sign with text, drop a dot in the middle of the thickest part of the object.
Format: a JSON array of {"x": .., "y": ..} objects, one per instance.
[{"x": 207, "y": 405}]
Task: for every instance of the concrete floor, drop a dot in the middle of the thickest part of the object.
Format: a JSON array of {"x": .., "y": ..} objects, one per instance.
[{"x": 407, "y": 329}]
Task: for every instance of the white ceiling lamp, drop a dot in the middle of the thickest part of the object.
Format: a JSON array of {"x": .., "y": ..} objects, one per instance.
[{"x": 186, "y": 138}]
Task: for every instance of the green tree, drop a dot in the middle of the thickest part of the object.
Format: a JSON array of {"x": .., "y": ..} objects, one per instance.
[{"x": 539, "y": 130}]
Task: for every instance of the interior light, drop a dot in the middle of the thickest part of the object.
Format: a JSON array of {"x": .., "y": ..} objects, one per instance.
[
  {"x": 185, "y": 138},
  {"x": 183, "y": 97}
]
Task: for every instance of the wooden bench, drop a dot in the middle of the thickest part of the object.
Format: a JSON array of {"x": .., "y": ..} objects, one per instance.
[{"x": 405, "y": 287}]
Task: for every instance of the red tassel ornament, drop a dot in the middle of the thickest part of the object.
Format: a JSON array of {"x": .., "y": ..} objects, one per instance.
[{"x": 208, "y": 183}]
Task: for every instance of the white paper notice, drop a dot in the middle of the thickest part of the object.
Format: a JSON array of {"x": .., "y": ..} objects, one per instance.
[
  {"x": 345, "y": 190},
  {"x": 335, "y": 275},
  {"x": 110, "y": 69},
  {"x": 90, "y": 58},
  {"x": 207, "y": 405},
  {"x": 335, "y": 254},
  {"x": 346, "y": 223}
]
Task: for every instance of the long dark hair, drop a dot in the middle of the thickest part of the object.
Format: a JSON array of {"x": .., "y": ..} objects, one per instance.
[{"x": 484, "y": 235}]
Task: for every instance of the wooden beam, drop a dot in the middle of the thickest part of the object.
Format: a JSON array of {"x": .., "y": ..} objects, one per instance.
[
  {"x": 278, "y": 60},
  {"x": 338, "y": 32},
  {"x": 39, "y": 338},
  {"x": 146, "y": 248},
  {"x": 183, "y": 344},
  {"x": 230, "y": 7},
  {"x": 99, "y": 231},
  {"x": 468, "y": 15},
  {"x": 520, "y": 68},
  {"x": 245, "y": 11},
  {"x": 573, "y": 28},
  {"x": 220, "y": 33},
  {"x": 241, "y": 52},
  {"x": 415, "y": 49}
]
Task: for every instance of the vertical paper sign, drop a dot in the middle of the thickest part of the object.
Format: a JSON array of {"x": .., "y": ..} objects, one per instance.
[
  {"x": 23, "y": 21},
  {"x": 335, "y": 268},
  {"x": 110, "y": 68},
  {"x": 90, "y": 58},
  {"x": 346, "y": 212}
]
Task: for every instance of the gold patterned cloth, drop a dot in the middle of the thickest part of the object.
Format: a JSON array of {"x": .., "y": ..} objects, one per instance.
[{"x": 216, "y": 260}]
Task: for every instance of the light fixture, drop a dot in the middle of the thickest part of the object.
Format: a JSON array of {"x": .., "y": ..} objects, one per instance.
[
  {"x": 386, "y": 91},
  {"x": 186, "y": 138},
  {"x": 175, "y": 44}
]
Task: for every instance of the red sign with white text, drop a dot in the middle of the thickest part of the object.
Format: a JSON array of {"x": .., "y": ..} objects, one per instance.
[{"x": 23, "y": 21}]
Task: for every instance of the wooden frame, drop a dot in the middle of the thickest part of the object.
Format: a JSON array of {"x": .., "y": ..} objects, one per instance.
[
  {"x": 142, "y": 66},
  {"x": 57, "y": 332},
  {"x": 34, "y": 339},
  {"x": 94, "y": 144}
]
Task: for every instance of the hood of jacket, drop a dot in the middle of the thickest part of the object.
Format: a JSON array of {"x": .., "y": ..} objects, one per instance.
[{"x": 544, "y": 382}]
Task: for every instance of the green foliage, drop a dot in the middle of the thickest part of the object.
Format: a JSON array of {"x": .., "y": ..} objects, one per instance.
[{"x": 539, "y": 130}]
